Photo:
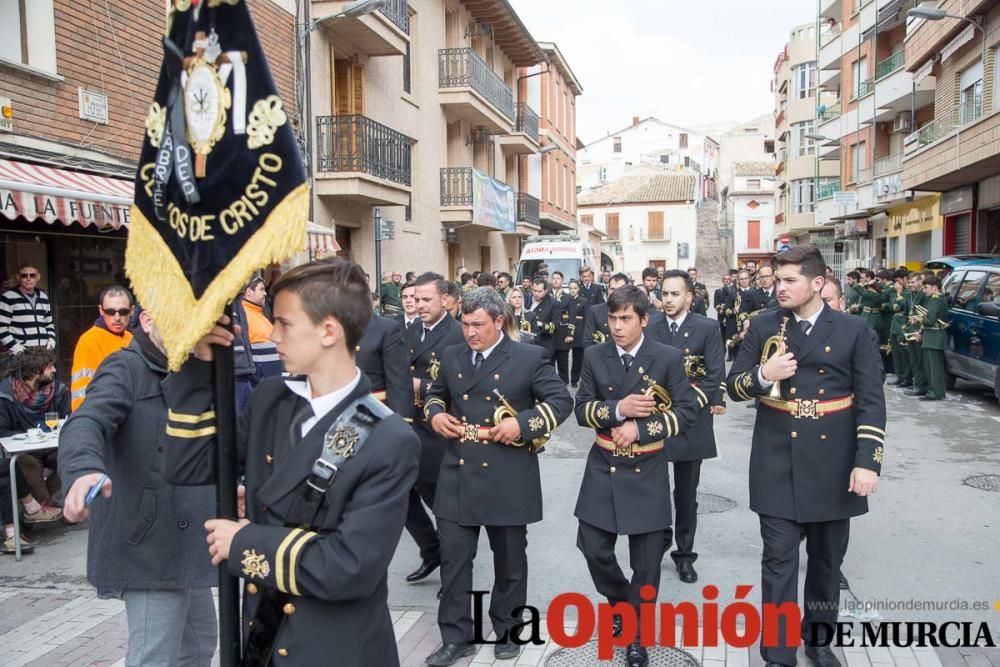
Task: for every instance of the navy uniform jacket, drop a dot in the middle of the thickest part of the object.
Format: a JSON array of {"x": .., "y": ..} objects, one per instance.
[
  {"x": 383, "y": 357},
  {"x": 424, "y": 355},
  {"x": 332, "y": 578},
  {"x": 630, "y": 495},
  {"x": 596, "y": 320},
  {"x": 765, "y": 301},
  {"x": 800, "y": 468},
  {"x": 547, "y": 314},
  {"x": 562, "y": 320},
  {"x": 593, "y": 294},
  {"x": 699, "y": 304},
  {"x": 576, "y": 313},
  {"x": 485, "y": 483},
  {"x": 698, "y": 336}
]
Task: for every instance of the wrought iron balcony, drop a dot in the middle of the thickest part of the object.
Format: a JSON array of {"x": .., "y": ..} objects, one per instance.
[
  {"x": 359, "y": 144},
  {"x": 890, "y": 65},
  {"x": 398, "y": 13},
  {"x": 527, "y": 120},
  {"x": 459, "y": 68},
  {"x": 888, "y": 164},
  {"x": 527, "y": 208},
  {"x": 456, "y": 186}
]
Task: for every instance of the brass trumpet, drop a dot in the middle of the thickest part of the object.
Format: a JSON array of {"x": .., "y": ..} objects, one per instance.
[
  {"x": 659, "y": 394},
  {"x": 775, "y": 345},
  {"x": 525, "y": 326},
  {"x": 694, "y": 366},
  {"x": 504, "y": 410},
  {"x": 599, "y": 336}
]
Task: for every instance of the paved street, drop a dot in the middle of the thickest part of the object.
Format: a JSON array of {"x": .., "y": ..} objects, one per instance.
[{"x": 929, "y": 537}]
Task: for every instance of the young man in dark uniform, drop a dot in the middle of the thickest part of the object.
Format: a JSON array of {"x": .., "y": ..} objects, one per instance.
[
  {"x": 699, "y": 304},
  {"x": 914, "y": 351},
  {"x": 383, "y": 357},
  {"x": 573, "y": 325},
  {"x": 817, "y": 450},
  {"x": 595, "y": 329},
  {"x": 934, "y": 339},
  {"x": 545, "y": 311},
  {"x": 626, "y": 484},
  {"x": 315, "y": 548},
  {"x": 436, "y": 331},
  {"x": 698, "y": 339},
  {"x": 591, "y": 291},
  {"x": 560, "y": 346},
  {"x": 489, "y": 476}
]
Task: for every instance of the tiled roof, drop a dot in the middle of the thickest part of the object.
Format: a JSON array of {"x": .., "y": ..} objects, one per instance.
[
  {"x": 641, "y": 189},
  {"x": 753, "y": 169}
]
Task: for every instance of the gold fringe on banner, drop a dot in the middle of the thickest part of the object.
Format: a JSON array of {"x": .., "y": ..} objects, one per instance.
[{"x": 164, "y": 290}]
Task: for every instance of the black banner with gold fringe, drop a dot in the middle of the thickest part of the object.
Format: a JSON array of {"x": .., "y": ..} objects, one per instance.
[{"x": 220, "y": 191}]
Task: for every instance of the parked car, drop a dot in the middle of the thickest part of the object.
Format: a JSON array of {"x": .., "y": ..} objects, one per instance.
[
  {"x": 951, "y": 262},
  {"x": 973, "y": 292}
]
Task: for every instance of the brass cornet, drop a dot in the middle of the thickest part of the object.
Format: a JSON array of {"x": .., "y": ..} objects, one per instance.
[
  {"x": 504, "y": 410},
  {"x": 599, "y": 336},
  {"x": 775, "y": 345},
  {"x": 659, "y": 394},
  {"x": 694, "y": 366},
  {"x": 525, "y": 326}
]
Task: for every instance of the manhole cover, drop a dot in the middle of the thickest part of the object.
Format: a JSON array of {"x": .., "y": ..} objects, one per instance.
[
  {"x": 984, "y": 482},
  {"x": 709, "y": 503},
  {"x": 586, "y": 656}
]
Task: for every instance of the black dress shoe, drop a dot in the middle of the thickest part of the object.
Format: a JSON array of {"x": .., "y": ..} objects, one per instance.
[
  {"x": 449, "y": 654},
  {"x": 636, "y": 656},
  {"x": 915, "y": 392},
  {"x": 928, "y": 398},
  {"x": 506, "y": 650},
  {"x": 616, "y": 626},
  {"x": 686, "y": 573},
  {"x": 425, "y": 570},
  {"x": 822, "y": 656}
]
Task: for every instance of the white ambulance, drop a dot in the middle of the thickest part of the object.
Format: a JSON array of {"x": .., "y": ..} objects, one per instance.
[{"x": 566, "y": 253}]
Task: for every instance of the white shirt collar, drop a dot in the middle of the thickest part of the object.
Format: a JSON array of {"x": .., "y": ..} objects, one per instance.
[
  {"x": 321, "y": 405},
  {"x": 489, "y": 350},
  {"x": 635, "y": 351},
  {"x": 680, "y": 322},
  {"x": 407, "y": 321},
  {"x": 440, "y": 319}
]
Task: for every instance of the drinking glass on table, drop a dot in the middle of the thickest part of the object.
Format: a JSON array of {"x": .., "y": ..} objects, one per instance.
[{"x": 52, "y": 420}]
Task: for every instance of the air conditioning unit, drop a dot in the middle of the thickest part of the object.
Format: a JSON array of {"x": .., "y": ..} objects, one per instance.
[{"x": 902, "y": 123}]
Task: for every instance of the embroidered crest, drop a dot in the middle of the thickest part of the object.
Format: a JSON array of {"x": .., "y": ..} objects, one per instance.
[
  {"x": 342, "y": 441},
  {"x": 471, "y": 433},
  {"x": 654, "y": 428},
  {"x": 746, "y": 381},
  {"x": 255, "y": 565},
  {"x": 206, "y": 101},
  {"x": 641, "y": 370},
  {"x": 877, "y": 455},
  {"x": 535, "y": 423},
  {"x": 604, "y": 412},
  {"x": 266, "y": 117}
]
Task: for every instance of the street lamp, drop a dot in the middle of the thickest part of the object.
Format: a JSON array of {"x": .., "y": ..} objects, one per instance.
[{"x": 548, "y": 148}]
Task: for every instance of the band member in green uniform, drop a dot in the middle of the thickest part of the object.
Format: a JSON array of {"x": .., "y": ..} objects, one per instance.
[
  {"x": 934, "y": 339},
  {"x": 911, "y": 332},
  {"x": 899, "y": 302}
]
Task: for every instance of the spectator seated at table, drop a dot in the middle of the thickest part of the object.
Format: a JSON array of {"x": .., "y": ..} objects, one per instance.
[
  {"x": 28, "y": 391},
  {"x": 34, "y": 512}
]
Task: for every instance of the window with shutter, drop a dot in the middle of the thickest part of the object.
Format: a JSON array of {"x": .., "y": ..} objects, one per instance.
[
  {"x": 613, "y": 232},
  {"x": 587, "y": 220},
  {"x": 654, "y": 230},
  {"x": 753, "y": 234}
]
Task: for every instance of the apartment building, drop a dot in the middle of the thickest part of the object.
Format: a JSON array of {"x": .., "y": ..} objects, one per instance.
[
  {"x": 649, "y": 219},
  {"x": 801, "y": 177},
  {"x": 751, "y": 199},
  {"x": 76, "y": 81},
  {"x": 650, "y": 141},
  {"x": 448, "y": 119},
  {"x": 954, "y": 150}
]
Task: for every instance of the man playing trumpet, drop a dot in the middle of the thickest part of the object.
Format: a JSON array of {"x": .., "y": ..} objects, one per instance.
[
  {"x": 635, "y": 394},
  {"x": 817, "y": 444},
  {"x": 496, "y": 402}
]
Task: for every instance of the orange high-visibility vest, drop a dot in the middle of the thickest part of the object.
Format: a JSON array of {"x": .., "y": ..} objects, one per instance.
[{"x": 94, "y": 345}]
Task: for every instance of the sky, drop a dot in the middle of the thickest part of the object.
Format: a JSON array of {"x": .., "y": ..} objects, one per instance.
[{"x": 687, "y": 62}]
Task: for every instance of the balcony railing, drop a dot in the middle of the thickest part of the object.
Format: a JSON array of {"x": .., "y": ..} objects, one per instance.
[
  {"x": 359, "y": 144},
  {"x": 829, "y": 114},
  {"x": 864, "y": 88},
  {"x": 458, "y": 68},
  {"x": 862, "y": 176},
  {"x": 826, "y": 190},
  {"x": 889, "y": 65},
  {"x": 527, "y": 120},
  {"x": 528, "y": 208},
  {"x": 456, "y": 186},
  {"x": 942, "y": 127},
  {"x": 398, "y": 13},
  {"x": 828, "y": 36},
  {"x": 888, "y": 164}
]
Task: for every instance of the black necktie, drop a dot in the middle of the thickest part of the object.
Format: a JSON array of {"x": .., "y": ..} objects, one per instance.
[
  {"x": 673, "y": 328},
  {"x": 301, "y": 416},
  {"x": 479, "y": 360},
  {"x": 805, "y": 325},
  {"x": 425, "y": 334},
  {"x": 627, "y": 361},
  {"x": 407, "y": 323}
]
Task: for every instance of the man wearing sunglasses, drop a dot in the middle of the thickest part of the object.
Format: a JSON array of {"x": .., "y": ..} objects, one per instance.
[
  {"x": 109, "y": 334},
  {"x": 26, "y": 314}
]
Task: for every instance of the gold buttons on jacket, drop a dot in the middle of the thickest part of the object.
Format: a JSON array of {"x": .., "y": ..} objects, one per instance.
[
  {"x": 465, "y": 397},
  {"x": 496, "y": 376},
  {"x": 485, "y": 464},
  {"x": 288, "y": 609},
  {"x": 459, "y": 376},
  {"x": 823, "y": 436},
  {"x": 461, "y": 462},
  {"x": 792, "y": 391},
  {"x": 283, "y": 652},
  {"x": 614, "y": 469},
  {"x": 637, "y": 470},
  {"x": 826, "y": 349},
  {"x": 252, "y": 589},
  {"x": 413, "y": 368},
  {"x": 795, "y": 434},
  {"x": 822, "y": 391},
  {"x": 269, "y": 459},
  {"x": 357, "y": 348},
  {"x": 822, "y": 371}
]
